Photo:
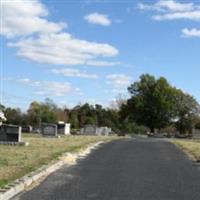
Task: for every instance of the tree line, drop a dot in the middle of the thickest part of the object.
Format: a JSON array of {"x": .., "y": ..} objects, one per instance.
[
  {"x": 153, "y": 105},
  {"x": 49, "y": 112}
]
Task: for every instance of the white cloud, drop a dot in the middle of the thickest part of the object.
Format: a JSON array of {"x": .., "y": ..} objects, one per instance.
[
  {"x": 172, "y": 10},
  {"x": 119, "y": 80},
  {"x": 191, "y": 32},
  {"x": 115, "y": 91},
  {"x": 167, "y": 5},
  {"x": 22, "y": 18},
  {"x": 74, "y": 73},
  {"x": 51, "y": 44},
  {"x": 63, "y": 49},
  {"x": 99, "y": 63},
  {"x": 98, "y": 18},
  {"x": 50, "y": 88},
  {"x": 193, "y": 15},
  {"x": 27, "y": 81}
]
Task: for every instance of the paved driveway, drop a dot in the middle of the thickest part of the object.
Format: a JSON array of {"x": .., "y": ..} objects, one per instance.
[{"x": 130, "y": 169}]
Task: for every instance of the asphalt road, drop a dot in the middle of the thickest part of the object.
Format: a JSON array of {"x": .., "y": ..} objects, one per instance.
[{"x": 130, "y": 169}]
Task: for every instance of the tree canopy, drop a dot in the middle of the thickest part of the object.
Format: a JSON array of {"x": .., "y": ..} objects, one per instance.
[{"x": 155, "y": 103}]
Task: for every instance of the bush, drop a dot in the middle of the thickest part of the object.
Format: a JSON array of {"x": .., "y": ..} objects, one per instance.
[{"x": 185, "y": 125}]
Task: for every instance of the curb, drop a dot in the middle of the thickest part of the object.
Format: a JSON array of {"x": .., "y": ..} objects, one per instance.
[
  {"x": 14, "y": 143},
  {"x": 26, "y": 181}
]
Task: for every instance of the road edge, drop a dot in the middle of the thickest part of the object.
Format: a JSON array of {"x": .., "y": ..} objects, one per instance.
[{"x": 28, "y": 180}]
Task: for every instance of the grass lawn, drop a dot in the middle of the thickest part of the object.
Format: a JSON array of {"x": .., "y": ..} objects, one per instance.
[
  {"x": 190, "y": 146},
  {"x": 16, "y": 161}
]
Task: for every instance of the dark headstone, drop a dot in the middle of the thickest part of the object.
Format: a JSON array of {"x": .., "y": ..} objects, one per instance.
[
  {"x": 10, "y": 133},
  {"x": 27, "y": 129},
  {"x": 63, "y": 128}
]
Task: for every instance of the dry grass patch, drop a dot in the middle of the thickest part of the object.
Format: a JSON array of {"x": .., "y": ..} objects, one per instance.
[
  {"x": 190, "y": 146},
  {"x": 16, "y": 161}
]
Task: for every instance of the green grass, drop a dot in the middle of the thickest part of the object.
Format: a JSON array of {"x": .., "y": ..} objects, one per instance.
[
  {"x": 192, "y": 147},
  {"x": 17, "y": 161}
]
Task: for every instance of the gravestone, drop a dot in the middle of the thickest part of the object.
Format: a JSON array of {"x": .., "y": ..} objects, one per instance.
[
  {"x": 27, "y": 129},
  {"x": 100, "y": 131},
  {"x": 49, "y": 129},
  {"x": 94, "y": 130},
  {"x": 10, "y": 133},
  {"x": 104, "y": 131},
  {"x": 36, "y": 130},
  {"x": 109, "y": 131},
  {"x": 196, "y": 133},
  {"x": 89, "y": 130},
  {"x": 63, "y": 128}
]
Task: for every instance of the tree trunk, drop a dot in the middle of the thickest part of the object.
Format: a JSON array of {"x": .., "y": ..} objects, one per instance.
[{"x": 152, "y": 130}]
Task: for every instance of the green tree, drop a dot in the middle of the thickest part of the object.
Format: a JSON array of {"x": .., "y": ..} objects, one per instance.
[
  {"x": 187, "y": 111},
  {"x": 197, "y": 123},
  {"x": 42, "y": 112},
  {"x": 13, "y": 116},
  {"x": 34, "y": 113},
  {"x": 73, "y": 119},
  {"x": 2, "y": 107},
  {"x": 152, "y": 103},
  {"x": 48, "y": 111}
]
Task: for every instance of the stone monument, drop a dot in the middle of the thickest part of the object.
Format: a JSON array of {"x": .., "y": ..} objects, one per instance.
[
  {"x": 48, "y": 129},
  {"x": 63, "y": 128},
  {"x": 10, "y": 133}
]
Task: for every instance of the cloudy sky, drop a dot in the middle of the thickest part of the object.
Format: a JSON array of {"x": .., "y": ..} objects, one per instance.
[{"x": 78, "y": 51}]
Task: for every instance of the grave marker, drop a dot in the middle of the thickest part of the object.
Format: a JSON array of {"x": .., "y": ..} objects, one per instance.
[
  {"x": 49, "y": 129},
  {"x": 94, "y": 130},
  {"x": 11, "y": 135},
  {"x": 63, "y": 128},
  {"x": 27, "y": 129}
]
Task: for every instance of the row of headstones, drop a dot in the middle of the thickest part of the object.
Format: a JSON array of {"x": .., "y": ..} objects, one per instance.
[
  {"x": 94, "y": 130},
  {"x": 13, "y": 133},
  {"x": 55, "y": 129}
]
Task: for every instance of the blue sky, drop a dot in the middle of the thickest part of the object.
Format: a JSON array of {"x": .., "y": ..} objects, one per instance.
[{"x": 78, "y": 51}]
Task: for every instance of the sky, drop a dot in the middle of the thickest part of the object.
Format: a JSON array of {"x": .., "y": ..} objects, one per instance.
[{"x": 91, "y": 51}]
